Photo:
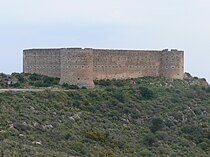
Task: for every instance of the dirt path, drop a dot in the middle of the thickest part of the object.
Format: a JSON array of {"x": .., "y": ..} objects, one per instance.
[{"x": 21, "y": 90}]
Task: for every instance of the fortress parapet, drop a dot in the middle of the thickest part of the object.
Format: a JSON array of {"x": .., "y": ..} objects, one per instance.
[{"x": 82, "y": 66}]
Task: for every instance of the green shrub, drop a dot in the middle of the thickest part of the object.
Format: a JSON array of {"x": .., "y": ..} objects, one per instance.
[
  {"x": 118, "y": 83},
  {"x": 188, "y": 74},
  {"x": 149, "y": 139},
  {"x": 146, "y": 93},
  {"x": 42, "y": 81},
  {"x": 96, "y": 135},
  {"x": 208, "y": 89},
  {"x": 204, "y": 145},
  {"x": 20, "y": 77},
  {"x": 145, "y": 153},
  {"x": 77, "y": 103},
  {"x": 157, "y": 124},
  {"x": 69, "y": 86},
  {"x": 35, "y": 77},
  {"x": 78, "y": 147},
  {"x": 102, "y": 82},
  {"x": 119, "y": 95},
  {"x": 107, "y": 154}
]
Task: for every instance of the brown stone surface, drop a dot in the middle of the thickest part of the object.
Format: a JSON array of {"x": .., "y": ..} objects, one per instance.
[{"x": 82, "y": 66}]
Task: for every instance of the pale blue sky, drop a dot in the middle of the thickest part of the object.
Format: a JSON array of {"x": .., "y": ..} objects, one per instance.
[{"x": 124, "y": 24}]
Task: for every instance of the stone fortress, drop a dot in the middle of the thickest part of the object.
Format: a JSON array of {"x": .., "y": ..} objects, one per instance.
[{"x": 82, "y": 66}]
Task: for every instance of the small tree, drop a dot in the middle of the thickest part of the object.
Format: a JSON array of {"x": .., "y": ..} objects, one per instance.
[
  {"x": 157, "y": 124},
  {"x": 149, "y": 139},
  {"x": 146, "y": 93}
]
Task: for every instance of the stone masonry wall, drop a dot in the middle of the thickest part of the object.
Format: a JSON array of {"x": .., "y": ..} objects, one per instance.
[
  {"x": 77, "y": 67},
  {"x": 42, "y": 61},
  {"x": 82, "y": 66},
  {"x": 172, "y": 64},
  {"x": 124, "y": 64}
]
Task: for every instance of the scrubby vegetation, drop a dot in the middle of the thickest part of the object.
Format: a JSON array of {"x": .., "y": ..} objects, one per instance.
[
  {"x": 24, "y": 80},
  {"x": 145, "y": 117}
]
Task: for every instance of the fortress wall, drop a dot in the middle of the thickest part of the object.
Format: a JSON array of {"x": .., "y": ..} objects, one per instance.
[
  {"x": 82, "y": 66},
  {"x": 77, "y": 67},
  {"x": 172, "y": 64},
  {"x": 42, "y": 61},
  {"x": 124, "y": 64}
]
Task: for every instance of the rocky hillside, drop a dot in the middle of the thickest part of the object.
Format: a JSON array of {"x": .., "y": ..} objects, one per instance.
[{"x": 145, "y": 117}]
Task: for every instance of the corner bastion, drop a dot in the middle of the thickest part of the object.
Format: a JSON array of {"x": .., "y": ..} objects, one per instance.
[{"x": 82, "y": 66}]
